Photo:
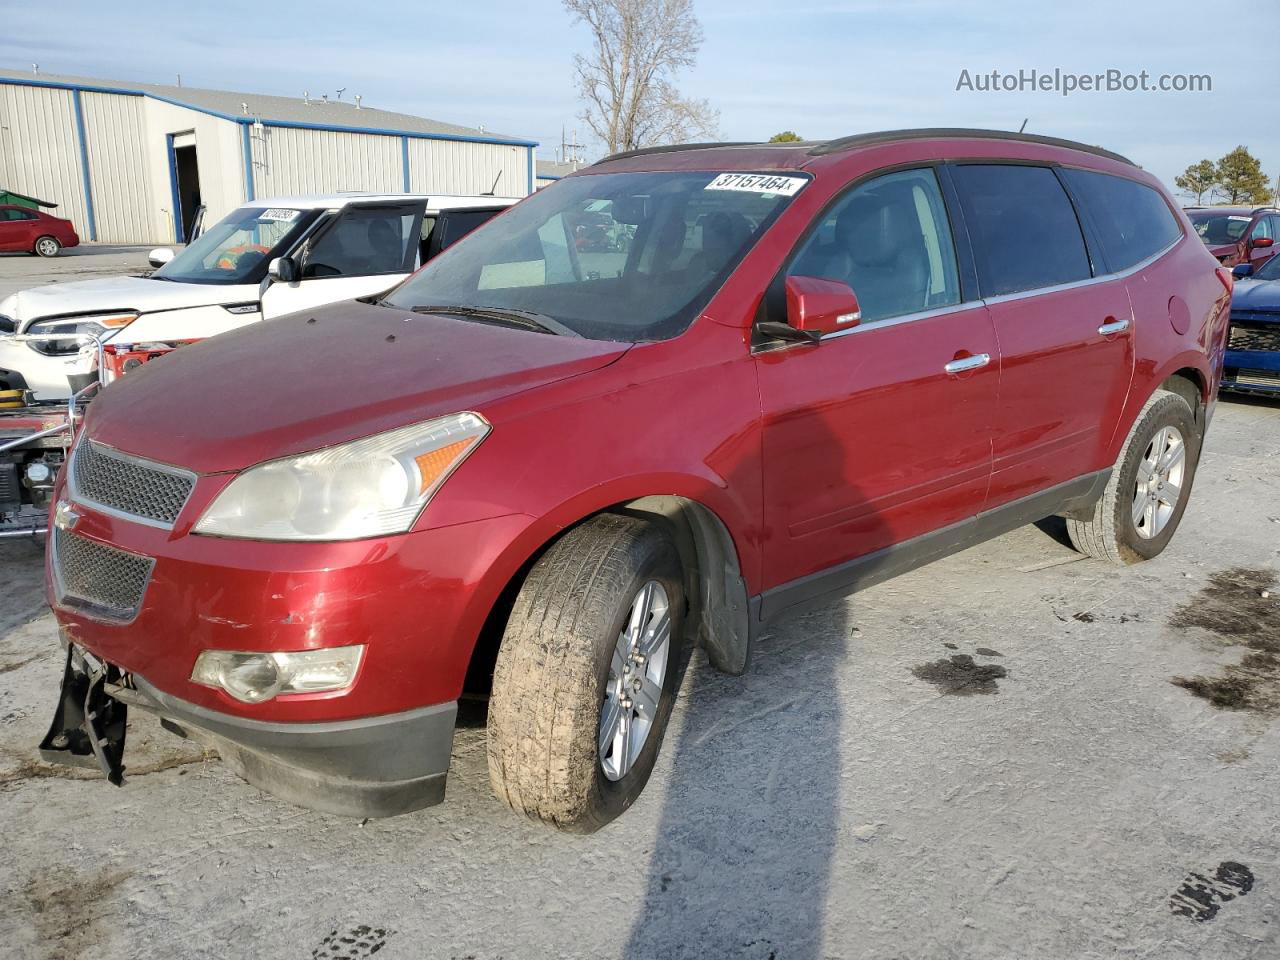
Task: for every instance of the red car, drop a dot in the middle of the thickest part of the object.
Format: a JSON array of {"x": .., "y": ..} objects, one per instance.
[
  {"x": 815, "y": 366},
  {"x": 1237, "y": 235},
  {"x": 34, "y": 231}
]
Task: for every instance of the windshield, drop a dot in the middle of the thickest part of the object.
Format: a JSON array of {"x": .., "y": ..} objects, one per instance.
[
  {"x": 623, "y": 256},
  {"x": 1218, "y": 228},
  {"x": 238, "y": 248}
]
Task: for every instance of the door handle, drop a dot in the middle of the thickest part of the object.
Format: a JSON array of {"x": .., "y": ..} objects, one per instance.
[
  {"x": 968, "y": 363},
  {"x": 1113, "y": 326}
]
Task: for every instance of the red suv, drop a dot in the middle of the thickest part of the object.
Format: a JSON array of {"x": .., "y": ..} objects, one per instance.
[
  {"x": 1237, "y": 235},
  {"x": 25, "y": 230},
  {"x": 541, "y": 473}
]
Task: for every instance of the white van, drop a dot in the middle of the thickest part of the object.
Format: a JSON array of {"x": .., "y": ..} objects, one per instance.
[{"x": 266, "y": 259}]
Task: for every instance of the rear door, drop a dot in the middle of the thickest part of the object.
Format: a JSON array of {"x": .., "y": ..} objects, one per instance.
[
  {"x": 1065, "y": 330},
  {"x": 876, "y": 435},
  {"x": 366, "y": 248}
]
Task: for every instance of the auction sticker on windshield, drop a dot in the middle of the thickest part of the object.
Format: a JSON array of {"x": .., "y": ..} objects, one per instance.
[
  {"x": 275, "y": 213},
  {"x": 758, "y": 183}
]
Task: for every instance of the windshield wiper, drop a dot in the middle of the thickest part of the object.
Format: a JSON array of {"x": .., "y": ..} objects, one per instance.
[{"x": 524, "y": 319}]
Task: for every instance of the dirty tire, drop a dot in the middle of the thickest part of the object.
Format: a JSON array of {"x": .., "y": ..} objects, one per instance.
[
  {"x": 47, "y": 247},
  {"x": 552, "y": 669},
  {"x": 1110, "y": 533}
]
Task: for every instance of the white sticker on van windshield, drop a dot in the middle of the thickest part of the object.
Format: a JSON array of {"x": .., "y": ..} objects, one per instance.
[
  {"x": 758, "y": 183},
  {"x": 276, "y": 213}
]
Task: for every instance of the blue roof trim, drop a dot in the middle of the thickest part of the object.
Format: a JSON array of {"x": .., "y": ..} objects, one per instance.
[
  {"x": 84, "y": 166},
  {"x": 383, "y": 132},
  {"x": 246, "y": 141},
  {"x": 414, "y": 134}
]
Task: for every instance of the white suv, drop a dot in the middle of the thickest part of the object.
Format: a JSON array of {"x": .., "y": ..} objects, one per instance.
[{"x": 267, "y": 258}]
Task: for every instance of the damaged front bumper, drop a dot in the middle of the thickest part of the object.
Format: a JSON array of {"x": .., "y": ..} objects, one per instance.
[{"x": 370, "y": 767}]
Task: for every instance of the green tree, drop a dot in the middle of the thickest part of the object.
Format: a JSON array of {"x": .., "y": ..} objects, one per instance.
[
  {"x": 786, "y": 136},
  {"x": 1198, "y": 179},
  {"x": 1240, "y": 178}
]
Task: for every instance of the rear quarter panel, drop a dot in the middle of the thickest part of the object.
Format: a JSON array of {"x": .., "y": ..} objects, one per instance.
[{"x": 1187, "y": 274}]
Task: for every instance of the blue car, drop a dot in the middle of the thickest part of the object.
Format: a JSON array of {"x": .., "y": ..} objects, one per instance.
[{"x": 1253, "y": 352}]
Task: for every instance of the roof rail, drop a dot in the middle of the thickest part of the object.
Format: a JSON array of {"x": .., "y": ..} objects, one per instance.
[
  {"x": 1263, "y": 209},
  {"x": 934, "y": 133},
  {"x": 673, "y": 148}
]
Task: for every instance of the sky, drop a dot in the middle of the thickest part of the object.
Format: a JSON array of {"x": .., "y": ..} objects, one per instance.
[{"x": 824, "y": 68}]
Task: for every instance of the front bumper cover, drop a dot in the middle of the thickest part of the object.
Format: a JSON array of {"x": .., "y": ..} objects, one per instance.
[{"x": 376, "y": 766}]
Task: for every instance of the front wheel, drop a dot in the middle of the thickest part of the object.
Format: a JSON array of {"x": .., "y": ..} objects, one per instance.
[
  {"x": 587, "y": 674},
  {"x": 1138, "y": 512},
  {"x": 47, "y": 247}
]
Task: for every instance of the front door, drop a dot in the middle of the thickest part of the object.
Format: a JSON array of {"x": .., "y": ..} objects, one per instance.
[
  {"x": 1066, "y": 345},
  {"x": 881, "y": 434},
  {"x": 365, "y": 249}
]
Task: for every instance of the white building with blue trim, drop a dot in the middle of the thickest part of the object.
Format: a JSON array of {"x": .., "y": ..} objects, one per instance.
[{"x": 132, "y": 162}]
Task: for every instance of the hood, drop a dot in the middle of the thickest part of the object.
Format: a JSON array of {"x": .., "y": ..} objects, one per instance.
[
  {"x": 1262, "y": 295},
  {"x": 1221, "y": 250},
  {"x": 121, "y": 293},
  {"x": 322, "y": 377}
]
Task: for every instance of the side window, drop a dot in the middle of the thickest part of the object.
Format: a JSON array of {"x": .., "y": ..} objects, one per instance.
[
  {"x": 1132, "y": 220},
  {"x": 890, "y": 240},
  {"x": 1262, "y": 229},
  {"x": 1024, "y": 229},
  {"x": 365, "y": 241},
  {"x": 13, "y": 214}
]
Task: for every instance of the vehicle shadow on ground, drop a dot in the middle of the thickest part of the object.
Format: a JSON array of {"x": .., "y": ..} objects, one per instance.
[{"x": 742, "y": 862}]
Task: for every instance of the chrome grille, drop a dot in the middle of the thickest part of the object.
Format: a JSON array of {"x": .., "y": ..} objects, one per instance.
[
  {"x": 107, "y": 581},
  {"x": 127, "y": 485}
]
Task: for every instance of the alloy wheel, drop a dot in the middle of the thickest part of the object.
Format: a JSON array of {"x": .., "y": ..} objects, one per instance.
[
  {"x": 636, "y": 676},
  {"x": 1158, "y": 486}
]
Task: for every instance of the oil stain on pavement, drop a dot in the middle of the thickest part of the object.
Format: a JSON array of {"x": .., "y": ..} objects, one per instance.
[
  {"x": 1200, "y": 897},
  {"x": 961, "y": 676},
  {"x": 1241, "y": 607},
  {"x": 69, "y": 907},
  {"x": 352, "y": 943}
]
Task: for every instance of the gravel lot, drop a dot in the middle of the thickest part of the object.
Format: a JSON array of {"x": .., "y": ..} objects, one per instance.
[{"x": 985, "y": 759}]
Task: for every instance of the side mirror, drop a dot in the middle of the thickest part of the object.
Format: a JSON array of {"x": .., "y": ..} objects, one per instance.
[
  {"x": 1264, "y": 242},
  {"x": 1242, "y": 270},
  {"x": 283, "y": 269},
  {"x": 160, "y": 256},
  {"x": 819, "y": 306}
]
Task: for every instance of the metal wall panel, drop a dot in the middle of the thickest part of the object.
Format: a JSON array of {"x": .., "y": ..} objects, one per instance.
[
  {"x": 39, "y": 150},
  {"x": 288, "y": 160},
  {"x": 115, "y": 135},
  {"x": 444, "y": 166}
]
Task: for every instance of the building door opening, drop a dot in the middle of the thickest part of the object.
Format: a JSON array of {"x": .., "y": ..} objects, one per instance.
[{"x": 186, "y": 185}]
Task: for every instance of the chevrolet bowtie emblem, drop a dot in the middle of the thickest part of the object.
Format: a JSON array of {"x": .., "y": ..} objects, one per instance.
[{"x": 65, "y": 516}]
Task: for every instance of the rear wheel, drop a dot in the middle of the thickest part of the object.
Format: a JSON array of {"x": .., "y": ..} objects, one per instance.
[
  {"x": 587, "y": 674},
  {"x": 47, "y": 247},
  {"x": 1138, "y": 512}
]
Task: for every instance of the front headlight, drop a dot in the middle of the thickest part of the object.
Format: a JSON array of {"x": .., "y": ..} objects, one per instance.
[
  {"x": 259, "y": 677},
  {"x": 71, "y": 333},
  {"x": 366, "y": 488}
]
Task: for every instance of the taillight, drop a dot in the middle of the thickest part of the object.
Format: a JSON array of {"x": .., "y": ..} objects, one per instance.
[{"x": 1225, "y": 276}]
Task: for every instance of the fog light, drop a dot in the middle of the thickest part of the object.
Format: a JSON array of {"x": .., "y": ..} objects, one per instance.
[{"x": 258, "y": 677}]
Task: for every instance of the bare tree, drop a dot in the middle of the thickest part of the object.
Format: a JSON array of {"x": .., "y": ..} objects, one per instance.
[{"x": 627, "y": 80}]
